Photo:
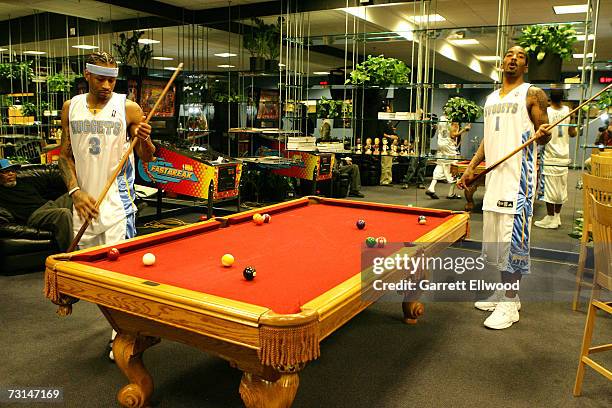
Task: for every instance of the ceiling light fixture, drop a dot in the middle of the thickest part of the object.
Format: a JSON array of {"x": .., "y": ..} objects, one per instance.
[
  {"x": 573, "y": 9},
  {"x": 32, "y": 52},
  {"x": 225, "y": 55},
  {"x": 321, "y": 73},
  {"x": 3, "y": 49},
  {"x": 432, "y": 18},
  {"x": 226, "y": 66},
  {"x": 280, "y": 64},
  {"x": 147, "y": 41},
  {"x": 488, "y": 58},
  {"x": 465, "y": 41},
  {"x": 163, "y": 58},
  {"x": 589, "y": 55},
  {"x": 85, "y": 47},
  {"x": 170, "y": 68},
  {"x": 581, "y": 37}
]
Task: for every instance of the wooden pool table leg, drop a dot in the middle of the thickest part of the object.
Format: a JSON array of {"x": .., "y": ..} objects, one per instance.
[
  {"x": 412, "y": 311},
  {"x": 128, "y": 350},
  {"x": 257, "y": 392}
]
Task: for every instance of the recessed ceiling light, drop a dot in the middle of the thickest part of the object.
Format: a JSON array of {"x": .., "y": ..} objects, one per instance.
[
  {"x": 3, "y": 49},
  {"x": 31, "y": 52},
  {"x": 226, "y": 66},
  {"x": 589, "y": 55},
  {"x": 581, "y": 37},
  {"x": 321, "y": 73},
  {"x": 576, "y": 8},
  {"x": 488, "y": 57},
  {"x": 432, "y": 18},
  {"x": 163, "y": 58},
  {"x": 225, "y": 55},
  {"x": 464, "y": 41},
  {"x": 147, "y": 41},
  {"x": 170, "y": 68},
  {"x": 85, "y": 47},
  {"x": 280, "y": 64}
]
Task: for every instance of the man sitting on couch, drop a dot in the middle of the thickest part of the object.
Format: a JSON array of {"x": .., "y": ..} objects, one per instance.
[{"x": 27, "y": 206}]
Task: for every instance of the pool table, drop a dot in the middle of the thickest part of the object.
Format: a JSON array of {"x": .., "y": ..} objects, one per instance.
[
  {"x": 308, "y": 284},
  {"x": 457, "y": 169}
]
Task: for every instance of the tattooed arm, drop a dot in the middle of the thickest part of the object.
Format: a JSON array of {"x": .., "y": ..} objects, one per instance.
[
  {"x": 84, "y": 204},
  {"x": 537, "y": 102}
]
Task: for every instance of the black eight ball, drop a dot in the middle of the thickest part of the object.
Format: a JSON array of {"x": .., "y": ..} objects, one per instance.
[{"x": 249, "y": 273}]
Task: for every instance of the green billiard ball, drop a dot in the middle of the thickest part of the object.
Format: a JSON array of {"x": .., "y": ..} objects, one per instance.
[{"x": 370, "y": 242}]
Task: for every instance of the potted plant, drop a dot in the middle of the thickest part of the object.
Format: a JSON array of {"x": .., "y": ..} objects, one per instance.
[
  {"x": 462, "y": 110},
  {"x": 329, "y": 108},
  {"x": 273, "y": 39},
  {"x": 547, "y": 46},
  {"x": 255, "y": 41},
  {"x": 124, "y": 51},
  {"x": 374, "y": 75},
  {"x": 15, "y": 76},
  {"x": 58, "y": 83},
  {"x": 142, "y": 55}
]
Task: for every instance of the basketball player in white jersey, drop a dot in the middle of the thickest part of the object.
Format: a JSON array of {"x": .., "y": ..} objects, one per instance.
[
  {"x": 553, "y": 175},
  {"x": 96, "y": 132},
  {"x": 511, "y": 116}
]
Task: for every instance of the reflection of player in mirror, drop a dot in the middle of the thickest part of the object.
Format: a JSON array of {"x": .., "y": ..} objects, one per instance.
[{"x": 131, "y": 94}]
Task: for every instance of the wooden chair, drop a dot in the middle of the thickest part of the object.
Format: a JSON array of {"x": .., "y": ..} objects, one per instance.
[
  {"x": 601, "y": 165},
  {"x": 602, "y": 238},
  {"x": 601, "y": 189}
]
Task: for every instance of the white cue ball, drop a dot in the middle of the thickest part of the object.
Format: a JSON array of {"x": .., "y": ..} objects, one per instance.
[{"x": 148, "y": 259}]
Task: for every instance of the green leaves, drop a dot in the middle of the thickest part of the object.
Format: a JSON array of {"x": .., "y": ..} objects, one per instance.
[
  {"x": 541, "y": 39},
  {"x": 128, "y": 50},
  {"x": 330, "y": 109},
  {"x": 59, "y": 83},
  {"x": 462, "y": 110},
  {"x": 380, "y": 71},
  {"x": 17, "y": 70}
]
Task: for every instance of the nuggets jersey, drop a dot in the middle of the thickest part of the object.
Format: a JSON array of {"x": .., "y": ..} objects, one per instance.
[
  {"x": 556, "y": 152},
  {"x": 510, "y": 188},
  {"x": 98, "y": 143}
]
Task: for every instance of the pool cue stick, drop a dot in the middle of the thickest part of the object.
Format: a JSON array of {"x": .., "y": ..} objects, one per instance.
[
  {"x": 532, "y": 139},
  {"x": 125, "y": 157}
]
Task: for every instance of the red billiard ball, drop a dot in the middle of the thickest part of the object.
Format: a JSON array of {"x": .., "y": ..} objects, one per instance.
[
  {"x": 203, "y": 217},
  {"x": 113, "y": 254},
  {"x": 381, "y": 242},
  {"x": 361, "y": 224}
]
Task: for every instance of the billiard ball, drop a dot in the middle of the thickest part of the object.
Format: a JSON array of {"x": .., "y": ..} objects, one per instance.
[
  {"x": 381, "y": 242},
  {"x": 267, "y": 218},
  {"x": 258, "y": 219},
  {"x": 227, "y": 260},
  {"x": 422, "y": 219},
  {"x": 148, "y": 259},
  {"x": 203, "y": 217},
  {"x": 361, "y": 224},
  {"x": 113, "y": 254},
  {"x": 249, "y": 273},
  {"x": 370, "y": 242}
]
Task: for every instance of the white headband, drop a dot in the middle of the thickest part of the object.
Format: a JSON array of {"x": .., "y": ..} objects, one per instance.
[{"x": 104, "y": 71}]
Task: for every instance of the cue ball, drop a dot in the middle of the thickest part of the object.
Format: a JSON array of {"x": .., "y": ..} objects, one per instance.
[
  {"x": 361, "y": 224},
  {"x": 227, "y": 260},
  {"x": 381, "y": 242},
  {"x": 422, "y": 219},
  {"x": 267, "y": 218},
  {"x": 370, "y": 242},
  {"x": 249, "y": 273},
  {"x": 148, "y": 259},
  {"x": 113, "y": 254}
]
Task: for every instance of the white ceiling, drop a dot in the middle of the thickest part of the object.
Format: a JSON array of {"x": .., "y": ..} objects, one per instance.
[{"x": 458, "y": 13}]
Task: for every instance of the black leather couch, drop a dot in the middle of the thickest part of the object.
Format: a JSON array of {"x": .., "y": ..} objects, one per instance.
[{"x": 22, "y": 248}]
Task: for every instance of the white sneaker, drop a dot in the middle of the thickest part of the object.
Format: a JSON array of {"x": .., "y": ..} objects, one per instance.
[
  {"x": 548, "y": 222},
  {"x": 488, "y": 305},
  {"x": 504, "y": 316},
  {"x": 558, "y": 219}
]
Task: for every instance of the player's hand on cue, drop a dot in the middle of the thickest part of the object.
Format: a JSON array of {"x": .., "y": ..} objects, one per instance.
[
  {"x": 543, "y": 132},
  {"x": 143, "y": 130},
  {"x": 85, "y": 205},
  {"x": 466, "y": 179}
]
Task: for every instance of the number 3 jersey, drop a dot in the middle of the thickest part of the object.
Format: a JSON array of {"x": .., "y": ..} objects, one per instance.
[
  {"x": 510, "y": 188},
  {"x": 98, "y": 143}
]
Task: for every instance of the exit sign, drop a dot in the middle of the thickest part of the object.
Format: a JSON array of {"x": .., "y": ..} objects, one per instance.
[{"x": 605, "y": 80}]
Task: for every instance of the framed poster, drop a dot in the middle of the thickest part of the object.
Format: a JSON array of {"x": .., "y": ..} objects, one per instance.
[
  {"x": 150, "y": 91},
  {"x": 268, "y": 105}
]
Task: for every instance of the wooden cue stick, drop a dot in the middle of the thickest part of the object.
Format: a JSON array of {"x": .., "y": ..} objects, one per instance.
[
  {"x": 531, "y": 140},
  {"x": 124, "y": 158}
]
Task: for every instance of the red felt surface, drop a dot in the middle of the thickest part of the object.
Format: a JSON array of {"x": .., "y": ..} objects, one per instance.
[{"x": 301, "y": 254}]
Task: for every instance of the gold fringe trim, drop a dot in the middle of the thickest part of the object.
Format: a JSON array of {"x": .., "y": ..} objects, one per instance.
[
  {"x": 288, "y": 346},
  {"x": 51, "y": 291}
]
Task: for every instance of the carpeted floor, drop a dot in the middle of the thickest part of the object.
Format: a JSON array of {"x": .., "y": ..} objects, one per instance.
[{"x": 447, "y": 360}]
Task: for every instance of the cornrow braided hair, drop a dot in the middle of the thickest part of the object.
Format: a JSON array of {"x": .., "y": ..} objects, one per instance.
[{"x": 101, "y": 56}]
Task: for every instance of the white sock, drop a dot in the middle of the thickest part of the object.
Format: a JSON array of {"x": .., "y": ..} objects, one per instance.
[
  {"x": 558, "y": 218},
  {"x": 432, "y": 186},
  {"x": 451, "y": 190}
]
